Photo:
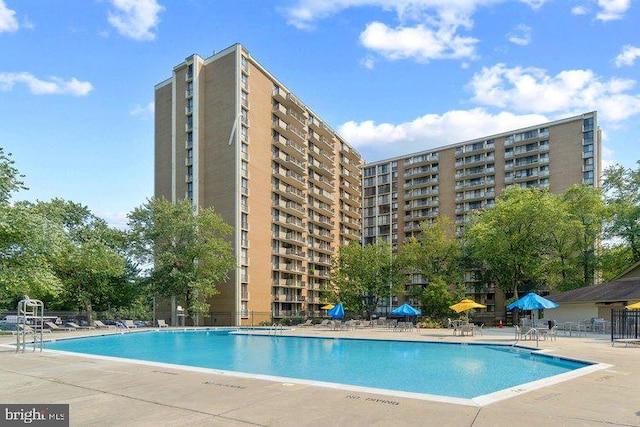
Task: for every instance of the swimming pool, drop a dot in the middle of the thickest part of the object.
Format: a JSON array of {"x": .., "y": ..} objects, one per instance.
[{"x": 457, "y": 371}]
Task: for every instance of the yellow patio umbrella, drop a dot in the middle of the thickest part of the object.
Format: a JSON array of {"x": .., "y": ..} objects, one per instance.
[
  {"x": 466, "y": 304},
  {"x": 327, "y": 307},
  {"x": 635, "y": 306}
]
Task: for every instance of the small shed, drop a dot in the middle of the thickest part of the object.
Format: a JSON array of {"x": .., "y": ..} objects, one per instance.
[{"x": 597, "y": 301}]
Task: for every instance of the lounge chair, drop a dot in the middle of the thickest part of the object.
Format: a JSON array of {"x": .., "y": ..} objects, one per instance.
[
  {"x": 75, "y": 325},
  {"x": 162, "y": 323},
  {"x": 28, "y": 330},
  {"x": 309, "y": 322},
  {"x": 129, "y": 324},
  {"x": 55, "y": 327},
  {"x": 101, "y": 325},
  {"x": 323, "y": 324}
]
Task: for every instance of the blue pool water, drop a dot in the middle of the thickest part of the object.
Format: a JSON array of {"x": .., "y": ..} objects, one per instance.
[{"x": 464, "y": 371}]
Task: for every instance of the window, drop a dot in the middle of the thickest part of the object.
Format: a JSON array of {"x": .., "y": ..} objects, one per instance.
[
  {"x": 189, "y": 157},
  {"x": 190, "y": 190},
  {"x": 190, "y": 71},
  {"x": 245, "y": 99},
  {"x": 383, "y": 179},
  {"x": 587, "y": 124},
  {"x": 189, "y": 139},
  {"x": 189, "y": 89},
  {"x": 383, "y": 169},
  {"x": 243, "y": 133},
  {"x": 587, "y": 137},
  {"x": 245, "y": 82}
]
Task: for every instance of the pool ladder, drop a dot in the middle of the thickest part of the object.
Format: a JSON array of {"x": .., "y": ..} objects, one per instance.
[{"x": 275, "y": 327}]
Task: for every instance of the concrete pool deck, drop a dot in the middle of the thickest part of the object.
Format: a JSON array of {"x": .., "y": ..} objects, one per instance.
[{"x": 106, "y": 392}]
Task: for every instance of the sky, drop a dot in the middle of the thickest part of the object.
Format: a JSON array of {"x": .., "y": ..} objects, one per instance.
[{"x": 392, "y": 77}]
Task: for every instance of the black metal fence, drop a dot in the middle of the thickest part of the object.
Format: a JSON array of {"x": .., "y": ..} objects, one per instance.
[{"x": 625, "y": 324}]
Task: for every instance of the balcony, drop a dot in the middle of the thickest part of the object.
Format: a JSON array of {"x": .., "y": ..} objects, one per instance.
[
  {"x": 350, "y": 188},
  {"x": 322, "y": 195},
  {"x": 349, "y": 152},
  {"x": 289, "y": 298},
  {"x": 288, "y": 99},
  {"x": 322, "y": 208},
  {"x": 350, "y": 175},
  {"x": 321, "y": 181},
  {"x": 291, "y": 162}
]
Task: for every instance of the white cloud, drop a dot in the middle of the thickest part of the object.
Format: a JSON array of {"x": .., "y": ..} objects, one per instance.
[
  {"x": 607, "y": 157},
  {"x": 136, "y": 19},
  {"x": 8, "y": 21},
  {"x": 521, "y": 35},
  {"x": 431, "y": 130},
  {"x": 419, "y": 42},
  {"x": 368, "y": 62},
  {"x": 532, "y": 90},
  {"x": 428, "y": 29},
  {"x": 116, "y": 220},
  {"x": 627, "y": 56},
  {"x": 579, "y": 10},
  {"x": 612, "y": 9},
  {"x": 55, "y": 86},
  {"x": 143, "y": 110}
]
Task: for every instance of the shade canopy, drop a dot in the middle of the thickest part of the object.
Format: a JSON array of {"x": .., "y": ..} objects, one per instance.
[
  {"x": 405, "y": 310},
  {"x": 532, "y": 301},
  {"x": 635, "y": 306},
  {"x": 327, "y": 307},
  {"x": 336, "y": 312},
  {"x": 466, "y": 304}
]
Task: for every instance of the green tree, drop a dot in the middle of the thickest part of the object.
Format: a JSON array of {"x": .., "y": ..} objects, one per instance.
[
  {"x": 510, "y": 241},
  {"x": 614, "y": 259},
  {"x": 28, "y": 242},
  {"x": 189, "y": 253},
  {"x": 561, "y": 258},
  {"x": 586, "y": 208},
  {"x": 92, "y": 265},
  {"x": 365, "y": 277},
  {"x": 10, "y": 178},
  {"x": 622, "y": 196},
  {"x": 436, "y": 253},
  {"x": 437, "y": 298}
]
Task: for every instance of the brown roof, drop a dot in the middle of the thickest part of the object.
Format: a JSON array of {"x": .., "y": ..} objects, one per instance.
[{"x": 618, "y": 290}]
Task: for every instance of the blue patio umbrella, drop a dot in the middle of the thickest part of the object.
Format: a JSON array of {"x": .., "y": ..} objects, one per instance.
[
  {"x": 532, "y": 301},
  {"x": 405, "y": 310},
  {"x": 336, "y": 312}
]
